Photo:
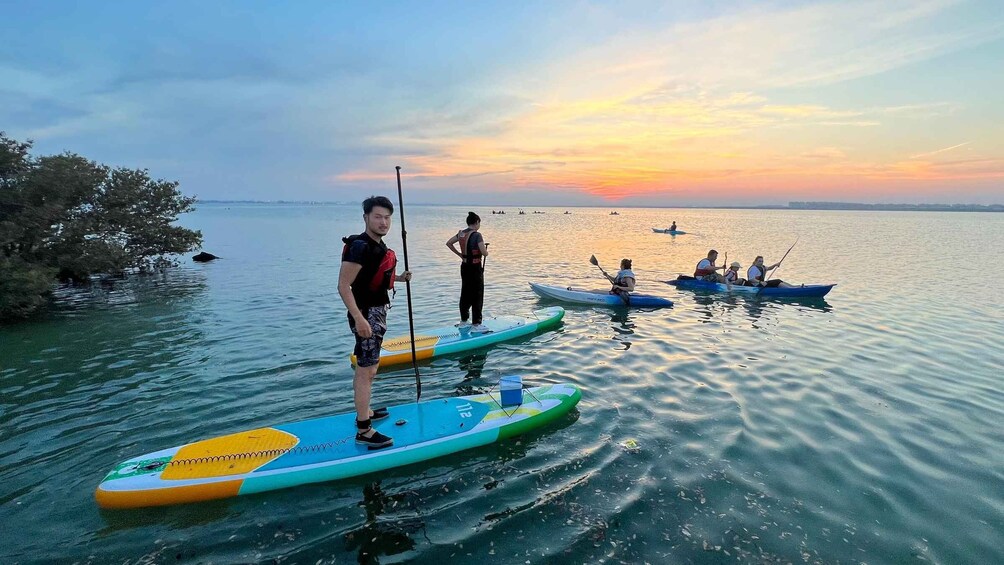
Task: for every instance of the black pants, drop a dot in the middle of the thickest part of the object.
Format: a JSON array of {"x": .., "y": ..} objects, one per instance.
[
  {"x": 472, "y": 291},
  {"x": 772, "y": 283}
]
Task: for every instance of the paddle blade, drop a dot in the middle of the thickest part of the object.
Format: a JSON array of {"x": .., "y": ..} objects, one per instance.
[{"x": 592, "y": 259}]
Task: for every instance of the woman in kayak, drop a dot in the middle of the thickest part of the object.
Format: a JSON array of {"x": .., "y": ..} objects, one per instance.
[
  {"x": 757, "y": 272},
  {"x": 624, "y": 281},
  {"x": 673, "y": 227}
]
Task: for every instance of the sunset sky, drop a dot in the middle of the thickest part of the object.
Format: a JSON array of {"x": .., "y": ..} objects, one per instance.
[{"x": 521, "y": 103}]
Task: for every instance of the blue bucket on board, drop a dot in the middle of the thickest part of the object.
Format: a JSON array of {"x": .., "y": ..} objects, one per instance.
[{"x": 511, "y": 388}]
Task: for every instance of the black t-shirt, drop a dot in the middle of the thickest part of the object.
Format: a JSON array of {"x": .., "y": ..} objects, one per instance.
[{"x": 368, "y": 253}]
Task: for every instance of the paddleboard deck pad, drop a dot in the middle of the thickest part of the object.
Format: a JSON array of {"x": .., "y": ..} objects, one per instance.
[
  {"x": 450, "y": 339},
  {"x": 324, "y": 449}
]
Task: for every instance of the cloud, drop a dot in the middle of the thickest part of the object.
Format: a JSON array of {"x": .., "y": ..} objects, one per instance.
[
  {"x": 929, "y": 153},
  {"x": 606, "y": 103}
]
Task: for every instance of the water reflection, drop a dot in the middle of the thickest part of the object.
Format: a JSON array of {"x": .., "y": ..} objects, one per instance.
[
  {"x": 181, "y": 516},
  {"x": 709, "y": 302},
  {"x": 378, "y": 536},
  {"x": 758, "y": 310},
  {"x": 623, "y": 326},
  {"x": 472, "y": 366}
]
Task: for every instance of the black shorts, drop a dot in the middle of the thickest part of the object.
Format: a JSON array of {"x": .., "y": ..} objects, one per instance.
[{"x": 367, "y": 350}]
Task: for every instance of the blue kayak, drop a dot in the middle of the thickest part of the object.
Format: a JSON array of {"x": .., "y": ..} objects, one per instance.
[
  {"x": 598, "y": 297},
  {"x": 670, "y": 232},
  {"x": 804, "y": 291}
]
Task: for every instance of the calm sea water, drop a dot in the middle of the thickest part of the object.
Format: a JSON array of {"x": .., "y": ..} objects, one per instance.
[{"x": 865, "y": 428}]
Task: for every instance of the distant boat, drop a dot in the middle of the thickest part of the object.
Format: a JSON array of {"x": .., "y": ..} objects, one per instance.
[
  {"x": 567, "y": 212},
  {"x": 615, "y": 213}
]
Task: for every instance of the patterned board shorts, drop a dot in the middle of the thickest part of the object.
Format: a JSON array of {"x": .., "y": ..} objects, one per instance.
[{"x": 367, "y": 350}]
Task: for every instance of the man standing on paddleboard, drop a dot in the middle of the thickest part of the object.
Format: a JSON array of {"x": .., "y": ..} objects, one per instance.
[{"x": 368, "y": 272}]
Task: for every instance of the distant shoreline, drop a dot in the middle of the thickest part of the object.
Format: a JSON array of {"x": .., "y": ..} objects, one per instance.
[
  {"x": 847, "y": 206},
  {"x": 896, "y": 207}
]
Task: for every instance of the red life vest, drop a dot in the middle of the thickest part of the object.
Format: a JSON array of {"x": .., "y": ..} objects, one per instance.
[
  {"x": 698, "y": 272},
  {"x": 376, "y": 276},
  {"x": 472, "y": 256},
  {"x": 383, "y": 278}
]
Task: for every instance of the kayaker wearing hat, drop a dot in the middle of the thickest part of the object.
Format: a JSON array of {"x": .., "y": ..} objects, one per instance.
[{"x": 732, "y": 274}]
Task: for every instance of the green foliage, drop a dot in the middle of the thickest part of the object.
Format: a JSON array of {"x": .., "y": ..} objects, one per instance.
[
  {"x": 23, "y": 287},
  {"x": 65, "y": 216}
]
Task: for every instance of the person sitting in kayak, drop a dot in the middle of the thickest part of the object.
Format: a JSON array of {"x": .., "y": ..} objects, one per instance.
[
  {"x": 732, "y": 274},
  {"x": 623, "y": 283},
  {"x": 673, "y": 227},
  {"x": 757, "y": 272},
  {"x": 706, "y": 268}
]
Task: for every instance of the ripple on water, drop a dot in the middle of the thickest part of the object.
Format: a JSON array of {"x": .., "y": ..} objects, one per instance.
[{"x": 861, "y": 428}]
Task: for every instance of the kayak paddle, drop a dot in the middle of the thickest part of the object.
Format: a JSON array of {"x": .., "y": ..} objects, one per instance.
[
  {"x": 781, "y": 261},
  {"x": 623, "y": 296}
]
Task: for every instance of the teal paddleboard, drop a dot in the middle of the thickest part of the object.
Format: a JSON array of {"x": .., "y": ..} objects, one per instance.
[{"x": 324, "y": 449}]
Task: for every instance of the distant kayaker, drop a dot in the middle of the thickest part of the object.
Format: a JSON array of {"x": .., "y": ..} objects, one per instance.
[
  {"x": 673, "y": 227},
  {"x": 368, "y": 271},
  {"x": 757, "y": 272},
  {"x": 472, "y": 275},
  {"x": 623, "y": 283},
  {"x": 732, "y": 274},
  {"x": 706, "y": 268}
]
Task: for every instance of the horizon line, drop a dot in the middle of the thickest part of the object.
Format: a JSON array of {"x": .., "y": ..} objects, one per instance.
[{"x": 793, "y": 205}]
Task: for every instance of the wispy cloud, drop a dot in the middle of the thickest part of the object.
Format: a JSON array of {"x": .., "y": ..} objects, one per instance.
[
  {"x": 608, "y": 100},
  {"x": 928, "y": 154},
  {"x": 699, "y": 105}
]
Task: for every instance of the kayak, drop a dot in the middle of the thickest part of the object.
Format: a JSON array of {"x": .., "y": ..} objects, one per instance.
[
  {"x": 449, "y": 339},
  {"x": 324, "y": 449},
  {"x": 670, "y": 232},
  {"x": 600, "y": 297},
  {"x": 805, "y": 291}
]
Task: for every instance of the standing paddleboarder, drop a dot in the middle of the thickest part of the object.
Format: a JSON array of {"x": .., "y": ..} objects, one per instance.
[
  {"x": 368, "y": 272},
  {"x": 473, "y": 250}
]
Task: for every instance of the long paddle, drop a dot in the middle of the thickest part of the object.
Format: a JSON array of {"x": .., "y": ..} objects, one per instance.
[
  {"x": 623, "y": 296},
  {"x": 407, "y": 284},
  {"x": 781, "y": 261}
]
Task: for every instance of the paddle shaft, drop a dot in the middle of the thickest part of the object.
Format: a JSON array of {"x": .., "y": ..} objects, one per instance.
[
  {"x": 407, "y": 284},
  {"x": 779, "y": 262},
  {"x": 623, "y": 295}
]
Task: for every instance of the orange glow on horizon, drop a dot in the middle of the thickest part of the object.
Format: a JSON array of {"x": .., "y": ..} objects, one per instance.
[{"x": 651, "y": 142}]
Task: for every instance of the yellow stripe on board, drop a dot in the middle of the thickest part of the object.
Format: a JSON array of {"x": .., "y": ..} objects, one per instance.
[
  {"x": 402, "y": 343},
  {"x": 496, "y": 414},
  {"x": 234, "y": 454}
]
